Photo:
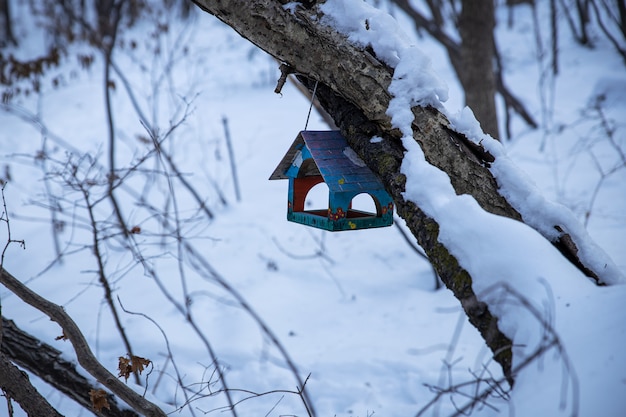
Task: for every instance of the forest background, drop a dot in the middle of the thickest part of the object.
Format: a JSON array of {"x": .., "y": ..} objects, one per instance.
[{"x": 223, "y": 297}]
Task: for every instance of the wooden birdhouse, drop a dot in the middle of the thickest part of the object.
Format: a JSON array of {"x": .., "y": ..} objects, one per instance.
[{"x": 324, "y": 156}]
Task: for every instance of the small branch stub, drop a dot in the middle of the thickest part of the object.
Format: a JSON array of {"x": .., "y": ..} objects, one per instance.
[{"x": 285, "y": 70}]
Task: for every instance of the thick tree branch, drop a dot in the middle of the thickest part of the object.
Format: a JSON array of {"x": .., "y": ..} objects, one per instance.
[
  {"x": 353, "y": 88},
  {"x": 83, "y": 352},
  {"x": 315, "y": 50},
  {"x": 320, "y": 53},
  {"x": 47, "y": 363},
  {"x": 16, "y": 385}
]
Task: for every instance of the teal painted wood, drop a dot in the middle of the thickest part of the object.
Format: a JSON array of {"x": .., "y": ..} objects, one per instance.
[
  {"x": 326, "y": 155},
  {"x": 321, "y": 222}
]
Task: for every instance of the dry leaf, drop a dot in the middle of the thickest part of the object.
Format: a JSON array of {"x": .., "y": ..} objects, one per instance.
[
  {"x": 124, "y": 368},
  {"x": 98, "y": 399},
  {"x": 131, "y": 365}
]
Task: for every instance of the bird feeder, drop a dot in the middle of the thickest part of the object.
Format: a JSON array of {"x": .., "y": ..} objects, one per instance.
[{"x": 324, "y": 156}]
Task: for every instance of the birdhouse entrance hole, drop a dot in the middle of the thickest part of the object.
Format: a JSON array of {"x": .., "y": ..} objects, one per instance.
[
  {"x": 317, "y": 197},
  {"x": 362, "y": 205},
  {"x": 365, "y": 203},
  {"x": 356, "y": 199}
]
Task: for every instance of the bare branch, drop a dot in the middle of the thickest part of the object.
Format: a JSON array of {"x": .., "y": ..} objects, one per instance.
[
  {"x": 47, "y": 363},
  {"x": 104, "y": 282},
  {"x": 83, "y": 352}
]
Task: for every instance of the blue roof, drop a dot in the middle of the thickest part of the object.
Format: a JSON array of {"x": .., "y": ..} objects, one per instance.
[{"x": 338, "y": 164}]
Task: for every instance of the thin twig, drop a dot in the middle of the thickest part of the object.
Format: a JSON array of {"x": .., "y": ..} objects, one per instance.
[
  {"x": 231, "y": 158},
  {"x": 170, "y": 355},
  {"x": 104, "y": 282},
  {"x": 107, "y": 53}
]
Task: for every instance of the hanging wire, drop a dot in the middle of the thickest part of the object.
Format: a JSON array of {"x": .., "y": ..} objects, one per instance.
[{"x": 311, "y": 106}]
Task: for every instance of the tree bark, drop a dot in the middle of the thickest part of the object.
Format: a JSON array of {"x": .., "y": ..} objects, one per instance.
[
  {"x": 47, "y": 363},
  {"x": 353, "y": 88},
  {"x": 476, "y": 25},
  {"x": 16, "y": 385}
]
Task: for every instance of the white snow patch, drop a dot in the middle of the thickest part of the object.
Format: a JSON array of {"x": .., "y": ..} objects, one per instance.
[
  {"x": 537, "y": 211},
  {"x": 414, "y": 78},
  {"x": 297, "y": 160},
  {"x": 353, "y": 157},
  {"x": 291, "y": 6}
]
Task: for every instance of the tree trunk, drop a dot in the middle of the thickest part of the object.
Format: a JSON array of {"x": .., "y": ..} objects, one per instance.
[
  {"x": 454, "y": 53},
  {"x": 6, "y": 37},
  {"x": 353, "y": 88},
  {"x": 476, "y": 25}
]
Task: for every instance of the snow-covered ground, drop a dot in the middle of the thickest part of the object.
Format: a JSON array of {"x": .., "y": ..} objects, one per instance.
[{"x": 357, "y": 311}]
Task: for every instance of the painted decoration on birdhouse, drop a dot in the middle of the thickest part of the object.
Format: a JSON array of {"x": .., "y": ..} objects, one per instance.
[{"x": 324, "y": 156}]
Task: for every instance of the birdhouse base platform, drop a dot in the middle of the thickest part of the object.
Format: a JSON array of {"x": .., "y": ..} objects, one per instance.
[{"x": 353, "y": 220}]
